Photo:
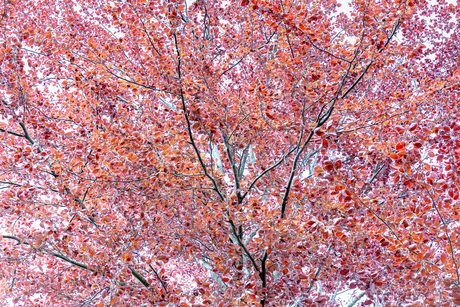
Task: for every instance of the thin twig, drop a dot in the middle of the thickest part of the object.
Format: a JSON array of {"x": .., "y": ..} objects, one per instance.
[{"x": 158, "y": 277}]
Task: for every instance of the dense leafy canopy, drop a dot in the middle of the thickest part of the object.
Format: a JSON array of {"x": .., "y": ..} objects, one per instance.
[{"x": 229, "y": 153}]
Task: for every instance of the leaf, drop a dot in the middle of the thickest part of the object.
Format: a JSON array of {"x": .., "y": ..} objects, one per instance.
[
  {"x": 400, "y": 145},
  {"x": 319, "y": 132},
  {"x": 443, "y": 258}
]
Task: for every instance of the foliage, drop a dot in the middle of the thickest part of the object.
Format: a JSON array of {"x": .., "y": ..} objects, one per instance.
[{"x": 229, "y": 153}]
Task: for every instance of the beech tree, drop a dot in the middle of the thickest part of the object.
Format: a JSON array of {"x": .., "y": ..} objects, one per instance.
[{"x": 229, "y": 153}]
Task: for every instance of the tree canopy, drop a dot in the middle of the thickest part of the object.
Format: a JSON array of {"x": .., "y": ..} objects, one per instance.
[{"x": 229, "y": 153}]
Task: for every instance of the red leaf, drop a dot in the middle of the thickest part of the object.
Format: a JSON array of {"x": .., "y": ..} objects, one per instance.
[
  {"x": 367, "y": 302},
  {"x": 319, "y": 132},
  {"x": 400, "y": 129},
  {"x": 400, "y": 145}
]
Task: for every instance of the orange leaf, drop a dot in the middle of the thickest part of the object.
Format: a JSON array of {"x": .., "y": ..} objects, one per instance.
[{"x": 400, "y": 145}]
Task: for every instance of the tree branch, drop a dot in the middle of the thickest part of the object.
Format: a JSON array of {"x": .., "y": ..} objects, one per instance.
[
  {"x": 12, "y": 133},
  {"x": 15, "y": 238},
  {"x": 256, "y": 267},
  {"x": 158, "y": 277},
  {"x": 78, "y": 264},
  {"x": 189, "y": 128},
  {"x": 139, "y": 277},
  {"x": 267, "y": 170}
]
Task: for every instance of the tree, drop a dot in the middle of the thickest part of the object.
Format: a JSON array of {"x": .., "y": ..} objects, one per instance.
[{"x": 229, "y": 153}]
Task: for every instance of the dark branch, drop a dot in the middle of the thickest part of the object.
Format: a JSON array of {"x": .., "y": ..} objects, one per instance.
[
  {"x": 139, "y": 277},
  {"x": 256, "y": 267},
  {"x": 158, "y": 277}
]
